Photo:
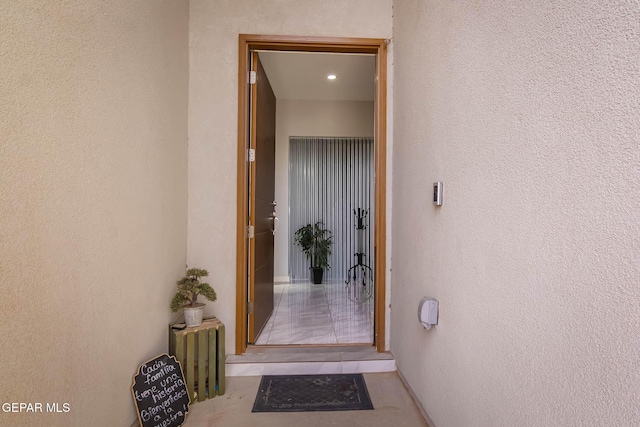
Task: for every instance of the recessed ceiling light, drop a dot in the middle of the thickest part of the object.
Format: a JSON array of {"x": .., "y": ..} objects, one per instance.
[{"x": 331, "y": 76}]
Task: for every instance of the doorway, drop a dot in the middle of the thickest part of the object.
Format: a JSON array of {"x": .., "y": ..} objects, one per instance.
[{"x": 246, "y": 244}]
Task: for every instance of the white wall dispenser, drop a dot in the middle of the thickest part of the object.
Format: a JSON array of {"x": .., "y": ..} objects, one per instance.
[{"x": 428, "y": 312}]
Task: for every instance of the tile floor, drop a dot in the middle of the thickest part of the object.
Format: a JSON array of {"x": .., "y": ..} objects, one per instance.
[
  {"x": 393, "y": 406},
  {"x": 305, "y": 313}
]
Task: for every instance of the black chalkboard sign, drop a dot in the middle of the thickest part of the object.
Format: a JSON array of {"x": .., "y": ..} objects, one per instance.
[{"x": 160, "y": 393}]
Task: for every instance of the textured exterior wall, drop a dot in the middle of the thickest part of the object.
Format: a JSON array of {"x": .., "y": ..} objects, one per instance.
[
  {"x": 214, "y": 28},
  {"x": 528, "y": 112},
  {"x": 93, "y": 194},
  {"x": 309, "y": 118}
]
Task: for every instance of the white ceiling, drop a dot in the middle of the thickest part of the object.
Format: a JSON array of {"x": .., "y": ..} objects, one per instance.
[{"x": 303, "y": 75}]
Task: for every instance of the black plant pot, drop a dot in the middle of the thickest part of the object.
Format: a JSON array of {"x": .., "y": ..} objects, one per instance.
[{"x": 317, "y": 274}]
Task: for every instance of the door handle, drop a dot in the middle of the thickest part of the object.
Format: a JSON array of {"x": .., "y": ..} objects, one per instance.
[{"x": 276, "y": 223}]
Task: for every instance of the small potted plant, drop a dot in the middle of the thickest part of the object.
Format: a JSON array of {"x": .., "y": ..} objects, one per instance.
[
  {"x": 315, "y": 241},
  {"x": 189, "y": 287}
]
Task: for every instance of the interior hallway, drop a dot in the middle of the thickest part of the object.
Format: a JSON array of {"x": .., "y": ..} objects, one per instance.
[
  {"x": 393, "y": 406},
  {"x": 305, "y": 313}
]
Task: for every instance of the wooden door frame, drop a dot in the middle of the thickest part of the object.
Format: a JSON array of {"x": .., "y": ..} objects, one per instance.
[{"x": 378, "y": 47}]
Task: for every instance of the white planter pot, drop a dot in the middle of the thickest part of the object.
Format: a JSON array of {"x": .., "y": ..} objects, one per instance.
[{"x": 193, "y": 315}]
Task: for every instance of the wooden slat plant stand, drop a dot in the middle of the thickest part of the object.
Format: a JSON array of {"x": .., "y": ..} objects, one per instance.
[{"x": 200, "y": 351}]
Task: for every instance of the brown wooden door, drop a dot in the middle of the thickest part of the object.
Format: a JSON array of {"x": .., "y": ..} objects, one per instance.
[{"x": 261, "y": 200}]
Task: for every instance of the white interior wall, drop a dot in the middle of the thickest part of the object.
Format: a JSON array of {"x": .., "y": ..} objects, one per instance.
[
  {"x": 214, "y": 28},
  {"x": 310, "y": 118},
  {"x": 93, "y": 200},
  {"x": 528, "y": 112}
]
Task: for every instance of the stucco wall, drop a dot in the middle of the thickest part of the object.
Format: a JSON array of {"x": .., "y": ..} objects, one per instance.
[
  {"x": 93, "y": 194},
  {"x": 214, "y": 28},
  {"x": 528, "y": 112},
  {"x": 310, "y": 118}
]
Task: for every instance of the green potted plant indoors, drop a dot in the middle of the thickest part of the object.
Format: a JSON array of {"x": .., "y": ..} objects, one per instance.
[
  {"x": 315, "y": 241},
  {"x": 189, "y": 287}
]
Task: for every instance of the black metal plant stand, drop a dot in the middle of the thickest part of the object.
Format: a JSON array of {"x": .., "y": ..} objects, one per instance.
[{"x": 360, "y": 276}]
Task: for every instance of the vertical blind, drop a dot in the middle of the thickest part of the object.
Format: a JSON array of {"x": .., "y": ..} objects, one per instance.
[{"x": 328, "y": 179}]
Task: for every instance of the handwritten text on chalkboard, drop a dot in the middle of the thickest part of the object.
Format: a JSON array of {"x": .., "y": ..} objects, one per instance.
[{"x": 160, "y": 393}]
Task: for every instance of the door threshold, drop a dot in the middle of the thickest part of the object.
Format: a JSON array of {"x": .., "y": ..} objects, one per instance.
[
  {"x": 256, "y": 348},
  {"x": 309, "y": 360}
]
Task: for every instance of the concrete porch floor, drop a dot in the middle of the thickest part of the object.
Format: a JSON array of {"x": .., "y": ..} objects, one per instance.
[{"x": 391, "y": 400}]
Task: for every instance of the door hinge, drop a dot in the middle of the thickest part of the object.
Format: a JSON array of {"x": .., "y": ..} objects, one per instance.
[
  {"x": 252, "y": 154},
  {"x": 250, "y": 231},
  {"x": 253, "y": 77},
  {"x": 249, "y": 307}
]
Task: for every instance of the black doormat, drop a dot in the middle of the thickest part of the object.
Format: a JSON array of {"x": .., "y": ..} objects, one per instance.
[{"x": 299, "y": 393}]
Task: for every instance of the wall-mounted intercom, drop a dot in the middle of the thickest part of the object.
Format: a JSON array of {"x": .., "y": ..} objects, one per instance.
[{"x": 437, "y": 193}]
